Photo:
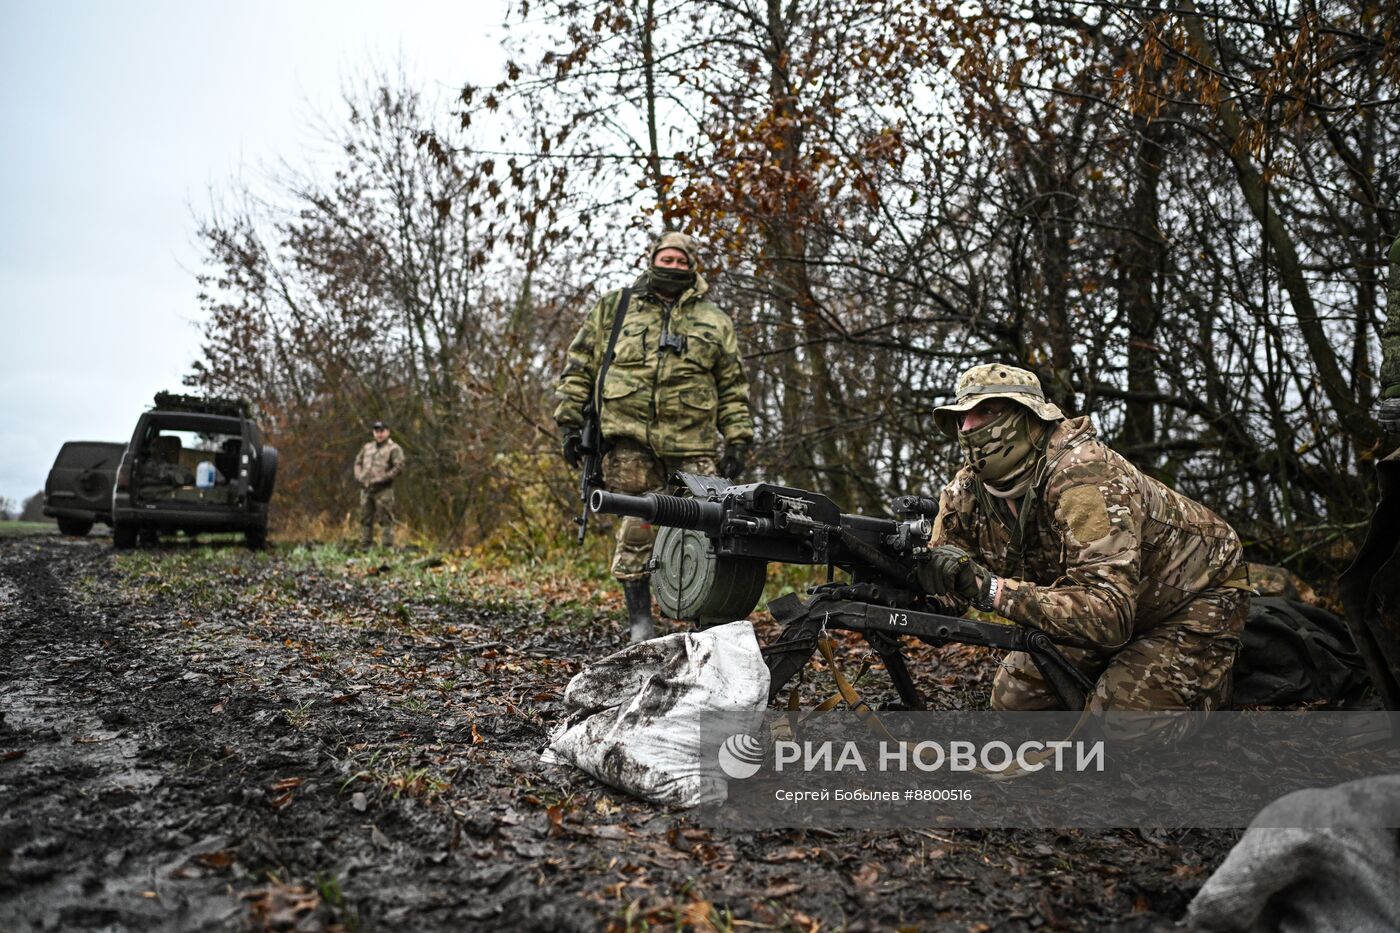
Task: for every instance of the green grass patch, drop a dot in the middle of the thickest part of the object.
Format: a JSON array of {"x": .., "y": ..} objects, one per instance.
[
  {"x": 402, "y": 583},
  {"x": 24, "y": 529},
  {"x": 552, "y": 580}
]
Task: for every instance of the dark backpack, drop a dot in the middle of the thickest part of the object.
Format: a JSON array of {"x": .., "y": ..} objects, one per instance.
[{"x": 1296, "y": 653}]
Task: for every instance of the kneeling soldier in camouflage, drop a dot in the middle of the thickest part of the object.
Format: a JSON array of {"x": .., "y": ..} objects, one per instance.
[{"x": 1141, "y": 587}]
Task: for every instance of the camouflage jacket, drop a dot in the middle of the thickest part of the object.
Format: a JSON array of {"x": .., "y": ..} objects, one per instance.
[
  {"x": 677, "y": 404},
  {"x": 378, "y": 464},
  {"x": 1390, "y": 330},
  {"x": 1107, "y": 552}
]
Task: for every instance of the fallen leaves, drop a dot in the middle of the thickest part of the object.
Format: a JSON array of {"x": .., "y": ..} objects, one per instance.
[
  {"x": 218, "y": 860},
  {"x": 790, "y": 855},
  {"x": 282, "y": 906},
  {"x": 286, "y": 790},
  {"x": 782, "y": 889}
]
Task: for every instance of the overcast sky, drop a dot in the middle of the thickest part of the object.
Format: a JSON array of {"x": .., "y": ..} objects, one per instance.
[{"x": 118, "y": 120}]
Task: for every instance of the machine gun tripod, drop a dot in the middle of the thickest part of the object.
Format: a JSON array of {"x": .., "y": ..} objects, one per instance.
[
  {"x": 715, "y": 545},
  {"x": 833, "y": 607}
]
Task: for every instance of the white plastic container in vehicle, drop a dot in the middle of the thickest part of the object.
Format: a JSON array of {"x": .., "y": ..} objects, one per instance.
[{"x": 205, "y": 474}]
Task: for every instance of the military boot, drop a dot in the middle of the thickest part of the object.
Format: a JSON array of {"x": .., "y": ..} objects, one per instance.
[{"x": 638, "y": 593}]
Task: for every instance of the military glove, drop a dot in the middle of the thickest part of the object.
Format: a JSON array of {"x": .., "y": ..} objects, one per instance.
[
  {"x": 735, "y": 459},
  {"x": 951, "y": 571},
  {"x": 1388, "y": 414},
  {"x": 573, "y": 448}
]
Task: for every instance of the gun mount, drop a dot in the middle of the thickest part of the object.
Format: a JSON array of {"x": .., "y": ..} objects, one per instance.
[{"x": 710, "y": 563}]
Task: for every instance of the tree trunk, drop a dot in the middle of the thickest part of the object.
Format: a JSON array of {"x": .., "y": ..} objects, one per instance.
[{"x": 1140, "y": 267}]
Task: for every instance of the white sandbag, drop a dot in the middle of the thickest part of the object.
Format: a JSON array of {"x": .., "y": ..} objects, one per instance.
[{"x": 649, "y": 719}]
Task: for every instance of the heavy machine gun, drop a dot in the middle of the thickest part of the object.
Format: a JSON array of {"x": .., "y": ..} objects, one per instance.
[{"x": 711, "y": 558}]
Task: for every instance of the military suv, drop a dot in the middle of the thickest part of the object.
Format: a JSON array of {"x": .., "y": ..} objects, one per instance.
[
  {"x": 78, "y": 491},
  {"x": 194, "y": 465}
]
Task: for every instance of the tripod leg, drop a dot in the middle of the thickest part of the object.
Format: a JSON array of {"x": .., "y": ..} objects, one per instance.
[
  {"x": 892, "y": 654},
  {"x": 1071, "y": 686},
  {"x": 790, "y": 653}
]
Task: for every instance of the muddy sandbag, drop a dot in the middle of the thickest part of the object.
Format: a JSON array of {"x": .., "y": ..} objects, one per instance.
[
  {"x": 1294, "y": 653},
  {"x": 1282, "y": 879},
  {"x": 649, "y": 719}
]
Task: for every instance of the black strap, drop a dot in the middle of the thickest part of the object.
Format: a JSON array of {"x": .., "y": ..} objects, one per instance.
[{"x": 611, "y": 351}]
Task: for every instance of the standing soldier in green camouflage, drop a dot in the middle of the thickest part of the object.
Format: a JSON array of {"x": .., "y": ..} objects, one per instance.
[
  {"x": 1046, "y": 525},
  {"x": 377, "y": 465},
  {"x": 674, "y": 387}
]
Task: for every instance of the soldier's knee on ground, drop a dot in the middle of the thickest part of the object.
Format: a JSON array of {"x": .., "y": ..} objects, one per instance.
[
  {"x": 1145, "y": 728},
  {"x": 1019, "y": 686}
]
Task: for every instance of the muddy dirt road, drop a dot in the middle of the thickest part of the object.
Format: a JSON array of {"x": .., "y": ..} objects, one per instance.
[{"x": 208, "y": 738}]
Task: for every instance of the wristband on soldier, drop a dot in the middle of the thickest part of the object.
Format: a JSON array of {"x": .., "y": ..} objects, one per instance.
[{"x": 986, "y": 601}]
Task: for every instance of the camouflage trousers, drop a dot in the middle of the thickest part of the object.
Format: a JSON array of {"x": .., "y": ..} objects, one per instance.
[
  {"x": 1182, "y": 663},
  {"x": 377, "y": 505},
  {"x": 633, "y": 469}
]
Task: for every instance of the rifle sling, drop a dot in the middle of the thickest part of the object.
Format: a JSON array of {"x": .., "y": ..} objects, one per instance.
[{"x": 608, "y": 354}]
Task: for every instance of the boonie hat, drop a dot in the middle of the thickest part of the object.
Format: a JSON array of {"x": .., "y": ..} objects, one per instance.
[{"x": 995, "y": 380}]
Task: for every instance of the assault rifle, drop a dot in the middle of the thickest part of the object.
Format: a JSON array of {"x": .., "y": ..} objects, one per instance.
[
  {"x": 712, "y": 554},
  {"x": 591, "y": 443},
  {"x": 590, "y": 474}
]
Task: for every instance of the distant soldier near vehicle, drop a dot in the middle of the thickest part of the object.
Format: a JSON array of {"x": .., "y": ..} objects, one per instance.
[
  {"x": 673, "y": 387},
  {"x": 377, "y": 465},
  {"x": 1141, "y": 587},
  {"x": 1371, "y": 585}
]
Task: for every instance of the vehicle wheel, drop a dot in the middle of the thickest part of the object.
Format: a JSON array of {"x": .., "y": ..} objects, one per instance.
[
  {"x": 149, "y": 537},
  {"x": 75, "y": 527},
  {"x": 267, "y": 474},
  {"x": 256, "y": 538},
  {"x": 123, "y": 536}
]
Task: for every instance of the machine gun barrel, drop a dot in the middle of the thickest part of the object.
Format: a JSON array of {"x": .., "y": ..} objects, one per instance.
[{"x": 672, "y": 511}]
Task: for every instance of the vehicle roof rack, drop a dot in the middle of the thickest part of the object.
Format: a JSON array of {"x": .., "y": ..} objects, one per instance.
[{"x": 208, "y": 405}]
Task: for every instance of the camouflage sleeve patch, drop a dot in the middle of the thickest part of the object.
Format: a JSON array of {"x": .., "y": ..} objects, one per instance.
[
  {"x": 1085, "y": 513},
  {"x": 1093, "y": 604}
]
